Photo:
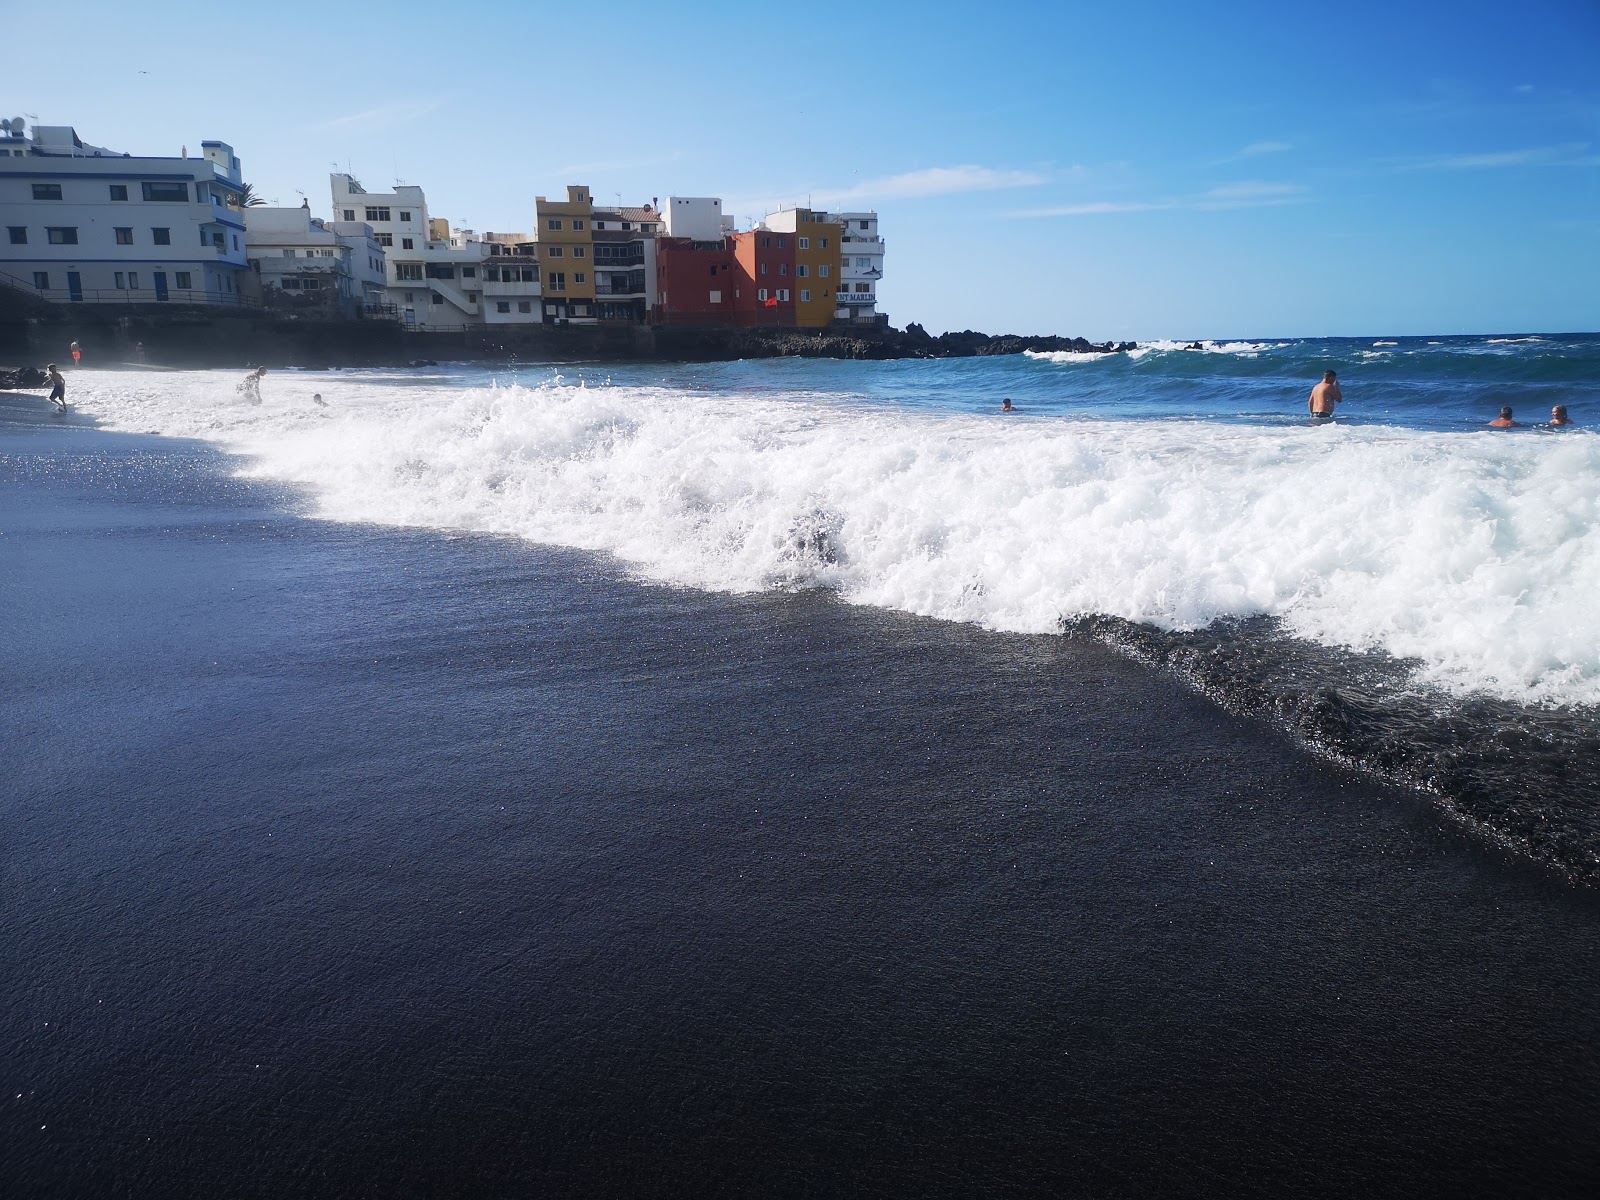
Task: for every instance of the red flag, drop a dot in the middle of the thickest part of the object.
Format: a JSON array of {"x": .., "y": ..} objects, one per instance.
[{"x": 773, "y": 303}]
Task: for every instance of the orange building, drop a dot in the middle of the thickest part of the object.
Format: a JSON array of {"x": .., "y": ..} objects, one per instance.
[
  {"x": 817, "y": 240},
  {"x": 563, "y": 230}
]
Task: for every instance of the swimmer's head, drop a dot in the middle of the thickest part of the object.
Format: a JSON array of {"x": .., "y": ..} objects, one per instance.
[
  {"x": 1506, "y": 412},
  {"x": 1559, "y": 412},
  {"x": 1328, "y": 377}
]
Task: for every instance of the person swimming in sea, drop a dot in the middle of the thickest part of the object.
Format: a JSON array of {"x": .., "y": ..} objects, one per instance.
[
  {"x": 1504, "y": 421},
  {"x": 58, "y": 388},
  {"x": 1558, "y": 415},
  {"x": 1005, "y": 405},
  {"x": 1324, "y": 396}
]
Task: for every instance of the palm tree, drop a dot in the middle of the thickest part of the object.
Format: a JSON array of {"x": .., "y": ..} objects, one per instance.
[{"x": 246, "y": 198}]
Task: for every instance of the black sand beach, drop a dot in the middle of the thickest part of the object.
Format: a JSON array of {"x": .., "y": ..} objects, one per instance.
[{"x": 348, "y": 861}]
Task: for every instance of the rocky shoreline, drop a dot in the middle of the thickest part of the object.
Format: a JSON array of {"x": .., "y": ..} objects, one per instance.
[{"x": 199, "y": 340}]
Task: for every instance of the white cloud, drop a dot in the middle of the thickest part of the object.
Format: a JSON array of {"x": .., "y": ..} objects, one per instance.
[
  {"x": 1252, "y": 193},
  {"x": 1098, "y": 208},
  {"x": 384, "y": 114},
  {"x": 932, "y": 181},
  {"x": 1568, "y": 154}
]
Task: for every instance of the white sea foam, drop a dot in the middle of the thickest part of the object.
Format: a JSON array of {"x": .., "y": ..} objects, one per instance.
[
  {"x": 1505, "y": 341},
  {"x": 1066, "y": 356},
  {"x": 1477, "y": 554},
  {"x": 1385, "y": 343},
  {"x": 1243, "y": 349}
]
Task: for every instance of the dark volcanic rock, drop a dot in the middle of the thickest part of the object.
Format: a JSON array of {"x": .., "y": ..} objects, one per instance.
[{"x": 21, "y": 377}]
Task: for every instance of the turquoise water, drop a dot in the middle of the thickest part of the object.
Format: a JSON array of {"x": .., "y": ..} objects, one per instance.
[{"x": 1421, "y": 383}]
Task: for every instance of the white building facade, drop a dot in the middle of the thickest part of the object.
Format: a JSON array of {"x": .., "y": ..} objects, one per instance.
[
  {"x": 860, "y": 266},
  {"x": 435, "y": 277},
  {"x": 83, "y": 224},
  {"x": 303, "y": 262}
]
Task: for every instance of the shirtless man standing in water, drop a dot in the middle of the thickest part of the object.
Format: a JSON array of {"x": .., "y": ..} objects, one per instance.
[{"x": 1324, "y": 396}]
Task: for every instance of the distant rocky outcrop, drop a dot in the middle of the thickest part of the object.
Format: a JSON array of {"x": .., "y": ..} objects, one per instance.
[
  {"x": 867, "y": 343},
  {"x": 21, "y": 377}
]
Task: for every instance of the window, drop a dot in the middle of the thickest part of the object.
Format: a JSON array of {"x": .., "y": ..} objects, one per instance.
[
  {"x": 19, "y": 234},
  {"x": 165, "y": 191},
  {"x": 404, "y": 215},
  {"x": 469, "y": 272},
  {"x": 384, "y": 239},
  {"x": 580, "y": 277},
  {"x": 435, "y": 298},
  {"x": 783, "y": 294},
  {"x": 185, "y": 280},
  {"x": 766, "y": 243},
  {"x": 579, "y": 252},
  {"x": 311, "y": 285},
  {"x": 553, "y": 223},
  {"x": 804, "y": 243},
  {"x": 133, "y": 281},
  {"x": 408, "y": 270},
  {"x": 554, "y": 252},
  {"x": 863, "y": 224},
  {"x": 41, "y": 280},
  {"x": 61, "y": 235},
  {"x": 119, "y": 191},
  {"x": 288, "y": 254},
  {"x": 577, "y": 222},
  {"x": 803, "y": 270},
  {"x": 410, "y": 297},
  {"x": 405, "y": 244},
  {"x": 805, "y": 296},
  {"x": 716, "y": 296},
  {"x": 290, "y": 283},
  {"x": 556, "y": 281},
  {"x": 763, "y": 268},
  {"x": 122, "y": 280},
  {"x": 863, "y": 287},
  {"x": 502, "y": 306},
  {"x": 377, "y": 214},
  {"x": 824, "y": 270},
  {"x": 525, "y": 306},
  {"x": 782, "y": 242},
  {"x": 761, "y": 294},
  {"x": 163, "y": 237},
  {"x": 124, "y": 236},
  {"x": 713, "y": 270},
  {"x": 439, "y": 271},
  {"x": 349, "y": 214},
  {"x": 47, "y": 191},
  {"x": 599, "y": 224},
  {"x": 783, "y": 268},
  {"x": 236, "y": 241},
  {"x": 822, "y": 243}
]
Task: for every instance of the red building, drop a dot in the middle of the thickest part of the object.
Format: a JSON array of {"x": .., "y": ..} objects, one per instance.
[
  {"x": 763, "y": 269},
  {"x": 695, "y": 282}
]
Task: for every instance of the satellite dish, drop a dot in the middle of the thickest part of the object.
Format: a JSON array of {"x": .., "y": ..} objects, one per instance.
[{"x": 18, "y": 125}]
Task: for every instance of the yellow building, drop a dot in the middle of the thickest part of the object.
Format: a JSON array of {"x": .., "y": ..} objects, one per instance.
[
  {"x": 817, "y": 239},
  {"x": 564, "y": 230}
]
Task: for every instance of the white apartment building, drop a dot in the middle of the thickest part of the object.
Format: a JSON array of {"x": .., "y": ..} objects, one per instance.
[
  {"x": 301, "y": 261},
  {"x": 511, "y": 280},
  {"x": 625, "y": 261},
  {"x": 860, "y": 266},
  {"x": 84, "y": 224},
  {"x": 696, "y": 217},
  {"x": 435, "y": 277}
]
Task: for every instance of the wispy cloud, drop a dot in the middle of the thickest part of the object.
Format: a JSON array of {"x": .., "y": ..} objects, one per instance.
[
  {"x": 1255, "y": 150},
  {"x": 384, "y": 114},
  {"x": 1253, "y": 193},
  {"x": 1097, "y": 208},
  {"x": 1569, "y": 154},
  {"x": 933, "y": 181}
]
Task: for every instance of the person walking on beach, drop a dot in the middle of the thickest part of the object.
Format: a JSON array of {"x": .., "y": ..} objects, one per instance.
[
  {"x": 1324, "y": 396},
  {"x": 77, "y": 354},
  {"x": 58, "y": 388},
  {"x": 1504, "y": 421},
  {"x": 1558, "y": 415},
  {"x": 138, "y": 352}
]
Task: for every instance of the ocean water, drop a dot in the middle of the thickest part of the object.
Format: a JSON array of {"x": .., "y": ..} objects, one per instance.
[
  {"x": 506, "y": 783},
  {"x": 1403, "y": 588}
]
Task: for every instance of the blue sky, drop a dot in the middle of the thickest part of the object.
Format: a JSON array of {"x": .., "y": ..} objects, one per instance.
[{"x": 1136, "y": 170}]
